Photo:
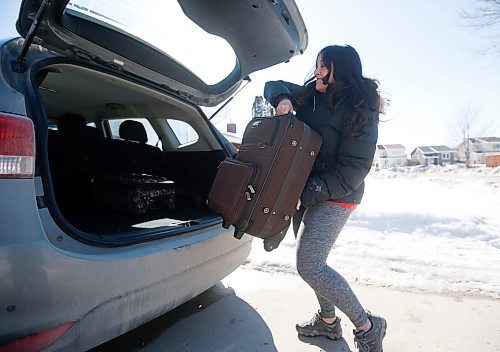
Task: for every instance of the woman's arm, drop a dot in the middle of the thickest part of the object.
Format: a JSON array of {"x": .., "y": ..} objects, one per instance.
[
  {"x": 345, "y": 175},
  {"x": 275, "y": 91}
]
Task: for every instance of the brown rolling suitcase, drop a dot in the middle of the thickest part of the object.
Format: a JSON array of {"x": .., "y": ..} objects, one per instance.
[{"x": 257, "y": 192}]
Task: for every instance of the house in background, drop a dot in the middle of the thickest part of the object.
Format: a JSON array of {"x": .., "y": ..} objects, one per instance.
[
  {"x": 231, "y": 136},
  {"x": 389, "y": 155},
  {"x": 483, "y": 150},
  {"x": 433, "y": 155}
]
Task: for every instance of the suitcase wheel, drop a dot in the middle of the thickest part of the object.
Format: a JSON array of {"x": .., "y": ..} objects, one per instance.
[
  {"x": 238, "y": 234},
  {"x": 225, "y": 224}
]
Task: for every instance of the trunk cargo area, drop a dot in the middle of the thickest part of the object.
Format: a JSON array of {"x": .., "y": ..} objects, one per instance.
[{"x": 81, "y": 106}]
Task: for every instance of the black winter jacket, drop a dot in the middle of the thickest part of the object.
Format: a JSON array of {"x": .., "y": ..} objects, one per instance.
[{"x": 342, "y": 162}]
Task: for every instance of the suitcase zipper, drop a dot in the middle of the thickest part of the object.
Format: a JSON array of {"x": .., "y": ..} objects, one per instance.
[
  {"x": 250, "y": 192},
  {"x": 249, "y": 196}
]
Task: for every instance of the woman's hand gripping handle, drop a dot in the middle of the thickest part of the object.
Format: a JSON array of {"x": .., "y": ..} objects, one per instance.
[{"x": 284, "y": 107}]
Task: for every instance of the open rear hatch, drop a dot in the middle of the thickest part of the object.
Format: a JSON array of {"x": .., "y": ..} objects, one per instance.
[
  {"x": 122, "y": 69},
  {"x": 171, "y": 43}
]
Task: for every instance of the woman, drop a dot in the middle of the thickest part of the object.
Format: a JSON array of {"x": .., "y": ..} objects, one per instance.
[{"x": 343, "y": 107}]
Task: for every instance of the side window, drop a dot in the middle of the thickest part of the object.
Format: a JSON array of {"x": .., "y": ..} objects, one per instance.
[
  {"x": 114, "y": 126},
  {"x": 153, "y": 139},
  {"x": 184, "y": 132},
  {"x": 52, "y": 126}
]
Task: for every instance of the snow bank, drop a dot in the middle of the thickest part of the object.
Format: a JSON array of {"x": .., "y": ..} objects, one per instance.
[{"x": 434, "y": 230}]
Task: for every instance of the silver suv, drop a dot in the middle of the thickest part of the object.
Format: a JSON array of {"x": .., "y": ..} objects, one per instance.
[{"x": 98, "y": 92}]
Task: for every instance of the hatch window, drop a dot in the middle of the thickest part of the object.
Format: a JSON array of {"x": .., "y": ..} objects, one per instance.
[{"x": 163, "y": 26}]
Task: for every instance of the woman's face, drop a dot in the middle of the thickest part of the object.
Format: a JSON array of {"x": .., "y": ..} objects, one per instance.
[{"x": 320, "y": 72}]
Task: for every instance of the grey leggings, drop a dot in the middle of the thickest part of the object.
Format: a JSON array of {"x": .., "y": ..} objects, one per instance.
[{"x": 318, "y": 231}]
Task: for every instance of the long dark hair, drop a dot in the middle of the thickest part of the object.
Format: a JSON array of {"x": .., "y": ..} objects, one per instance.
[{"x": 350, "y": 89}]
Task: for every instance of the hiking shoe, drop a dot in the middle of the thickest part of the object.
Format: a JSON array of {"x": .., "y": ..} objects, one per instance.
[
  {"x": 317, "y": 327},
  {"x": 371, "y": 340}
]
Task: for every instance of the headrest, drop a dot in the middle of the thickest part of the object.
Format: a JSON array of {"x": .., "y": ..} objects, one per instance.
[
  {"x": 71, "y": 123},
  {"x": 131, "y": 130}
]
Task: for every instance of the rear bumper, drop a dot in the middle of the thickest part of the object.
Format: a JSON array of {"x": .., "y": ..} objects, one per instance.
[
  {"x": 124, "y": 313},
  {"x": 107, "y": 291}
]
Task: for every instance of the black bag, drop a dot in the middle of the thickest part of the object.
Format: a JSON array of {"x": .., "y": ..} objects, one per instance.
[{"x": 132, "y": 193}]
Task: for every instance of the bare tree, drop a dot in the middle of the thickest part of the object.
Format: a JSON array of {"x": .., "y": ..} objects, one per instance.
[
  {"x": 468, "y": 125},
  {"x": 485, "y": 17},
  {"x": 261, "y": 107}
]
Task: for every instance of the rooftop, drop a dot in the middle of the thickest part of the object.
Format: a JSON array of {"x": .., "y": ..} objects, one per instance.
[{"x": 489, "y": 139}]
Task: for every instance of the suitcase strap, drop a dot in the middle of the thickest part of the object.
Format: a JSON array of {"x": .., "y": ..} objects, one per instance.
[{"x": 296, "y": 162}]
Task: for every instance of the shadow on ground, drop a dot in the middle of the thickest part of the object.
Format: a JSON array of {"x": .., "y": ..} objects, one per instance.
[
  {"x": 325, "y": 344},
  {"x": 216, "y": 320}
]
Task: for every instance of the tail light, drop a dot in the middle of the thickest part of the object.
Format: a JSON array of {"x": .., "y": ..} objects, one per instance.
[
  {"x": 17, "y": 146},
  {"x": 38, "y": 341}
]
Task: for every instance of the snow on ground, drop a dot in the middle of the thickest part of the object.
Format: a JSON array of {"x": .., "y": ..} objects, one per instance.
[{"x": 418, "y": 229}]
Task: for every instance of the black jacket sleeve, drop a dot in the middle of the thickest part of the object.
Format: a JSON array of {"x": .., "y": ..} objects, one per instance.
[
  {"x": 274, "y": 91},
  {"x": 347, "y": 172}
]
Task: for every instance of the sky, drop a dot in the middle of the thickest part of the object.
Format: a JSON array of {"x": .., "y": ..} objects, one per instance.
[
  {"x": 414, "y": 231},
  {"x": 428, "y": 62}
]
